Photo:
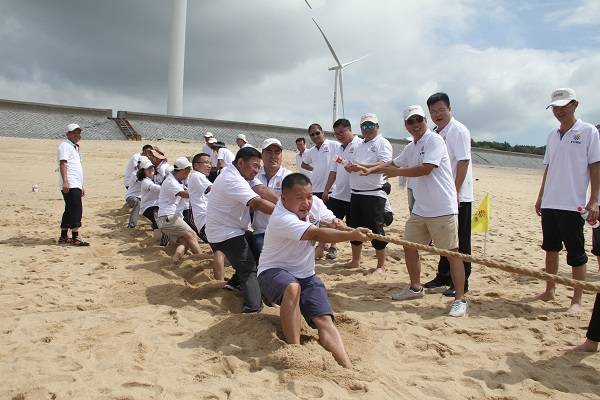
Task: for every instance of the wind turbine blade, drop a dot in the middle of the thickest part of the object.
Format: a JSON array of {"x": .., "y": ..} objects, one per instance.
[
  {"x": 307, "y": 3},
  {"x": 342, "y": 91},
  {"x": 328, "y": 44},
  {"x": 353, "y": 61}
]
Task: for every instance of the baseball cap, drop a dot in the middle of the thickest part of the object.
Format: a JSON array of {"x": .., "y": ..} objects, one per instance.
[
  {"x": 158, "y": 154},
  {"x": 242, "y": 136},
  {"x": 146, "y": 163},
  {"x": 212, "y": 140},
  {"x": 271, "y": 141},
  {"x": 72, "y": 127},
  {"x": 181, "y": 163},
  {"x": 208, "y": 135},
  {"x": 369, "y": 117},
  {"x": 413, "y": 110},
  {"x": 220, "y": 144},
  {"x": 561, "y": 97}
]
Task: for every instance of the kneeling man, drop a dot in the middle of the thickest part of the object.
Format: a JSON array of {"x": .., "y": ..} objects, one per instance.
[{"x": 286, "y": 270}]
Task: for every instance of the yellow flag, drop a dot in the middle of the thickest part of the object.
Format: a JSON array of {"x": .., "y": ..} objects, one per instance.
[{"x": 481, "y": 219}]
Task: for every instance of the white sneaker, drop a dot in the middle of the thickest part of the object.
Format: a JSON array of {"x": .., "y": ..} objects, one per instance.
[
  {"x": 458, "y": 308},
  {"x": 408, "y": 293}
]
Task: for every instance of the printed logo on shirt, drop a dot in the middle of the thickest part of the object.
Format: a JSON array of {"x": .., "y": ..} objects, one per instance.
[
  {"x": 372, "y": 148},
  {"x": 325, "y": 148},
  {"x": 576, "y": 138}
]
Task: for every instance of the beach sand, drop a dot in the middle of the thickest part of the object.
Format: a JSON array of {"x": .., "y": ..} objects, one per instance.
[{"x": 117, "y": 321}]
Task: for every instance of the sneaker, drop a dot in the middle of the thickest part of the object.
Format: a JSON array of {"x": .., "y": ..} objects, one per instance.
[
  {"x": 331, "y": 253},
  {"x": 164, "y": 240},
  {"x": 408, "y": 293},
  {"x": 233, "y": 284},
  {"x": 437, "y": 282},
  {"x": 458, "y": 308},
  {"x": 64, "y": 240}
]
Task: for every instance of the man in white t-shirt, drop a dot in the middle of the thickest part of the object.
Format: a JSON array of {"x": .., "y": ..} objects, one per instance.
[
  {"x": 286, "y": 271},
  {"x": 131, "y": 167},
  {"x": 458, "y": 143},
  {"x": 172, "y": 200},
  {"x": 228, "y": 218},
  {"x": 161, "y": 166},
  {"x": 70, "y": 178},
  {"x": 241, "y": 141},
  {"x": 434, "y": 215},
  {"x": 301, "y": 148},
  {"x": 207, "y": 148},
  {"x": 572, "y": 162},
  {"x": 224, "y": 156},
  {"x": 319, "y": 158},
  {"x": 271, "y": 175},
  {"x": 199, "y": 187},
  {"x": 338, "y": 201},
  {"x": 367, "y": 196}
]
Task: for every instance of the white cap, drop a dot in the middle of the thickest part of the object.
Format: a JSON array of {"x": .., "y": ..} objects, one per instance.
[
  {"x": 413, "y": 110},
  {"x": 562, "y": 97},
  {"x": 181, "y": 163},
  {"x": 143, "y": 159},
  {"x": 212, "y": 140},
  {"x": 369, "y": 117},
  {"x": 72, "y": 127},
  {"x": 242, "y": 136},
  {"x": 146, "y": 163},
  {"x": 271, "y": 141},
  {"x": 208, "y": 134}
]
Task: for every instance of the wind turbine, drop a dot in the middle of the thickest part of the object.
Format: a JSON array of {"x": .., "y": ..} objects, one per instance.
[
  {"x": 339, "y": 73},
  {"x": 177, "y": 58}
]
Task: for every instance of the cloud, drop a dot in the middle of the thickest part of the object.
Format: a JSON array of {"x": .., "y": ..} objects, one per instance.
[
  {"x": 264, "y": 61},
  {"x": 586, "y": 13}
]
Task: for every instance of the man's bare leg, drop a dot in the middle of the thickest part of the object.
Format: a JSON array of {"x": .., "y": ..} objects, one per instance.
[
  {"x": 331, "y": 340},
  {"x": 579, "y": 274},
  {"x": 457, "y": 272},
  {"x": 551, "y": 268},
  {"x": 380, "y": 254},
  {"x": 218, "y": 265},
  {"x": 179, "y": 252},
  {"x": 319, "y": 250},
  {"x": 289, "y": 313},
  {"x": 191, "y": 242},
  {"x": 356, "y": 252},
  {"x": 157, "y": 234},
  {"x": 413, "y": 265}
]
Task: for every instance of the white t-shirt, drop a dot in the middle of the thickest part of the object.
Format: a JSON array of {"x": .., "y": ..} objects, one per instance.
[
  {"x": 374, "y": 151},
  {"x": 168, "y": 201},
  {"x": 135, "y": 187},
  {"x": 69, "y": 152},
  {"x": 458, "y": 143},
  {"x": 198, "y": 183},
  {"x": 261, "y": 220},
  {"x": 299, "y": 165},
  {"x": 342, "y": 177},
  {"x": 150, "y": 192},
  {"x": 435, "y": 194},
  {"x": 283, "y": 247},
  {"x": 320, "y": 159},
  {"x": 162, "y": 170},
  {"x": 228, "y": 214},
  {"x": 568, "y": 161},
  {"x": 131, "y": 168},
  {"x": 225, "y": 155},
  {"x": 206, "y": 149}
]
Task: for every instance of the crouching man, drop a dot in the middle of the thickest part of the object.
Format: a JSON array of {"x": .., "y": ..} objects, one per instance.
[{"x": 286, "y": 270}]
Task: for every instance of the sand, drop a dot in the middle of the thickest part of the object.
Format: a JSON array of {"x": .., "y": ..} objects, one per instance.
[{"x": 117, "y": 321}]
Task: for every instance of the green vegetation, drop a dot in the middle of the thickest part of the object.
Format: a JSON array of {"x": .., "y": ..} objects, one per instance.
[{"x": 505, "y": 146}]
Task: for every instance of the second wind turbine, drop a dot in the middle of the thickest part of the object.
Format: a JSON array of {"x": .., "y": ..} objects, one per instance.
[{"x": 339, "y": 73}]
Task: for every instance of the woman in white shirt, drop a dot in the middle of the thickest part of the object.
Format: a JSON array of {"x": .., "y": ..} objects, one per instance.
[{"x": 149, "y": 195}]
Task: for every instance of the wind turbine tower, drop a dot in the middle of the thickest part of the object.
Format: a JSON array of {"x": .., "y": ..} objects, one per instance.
[
  {"x": 177, "y": 58},
  {"x": 338, "y": 80}
]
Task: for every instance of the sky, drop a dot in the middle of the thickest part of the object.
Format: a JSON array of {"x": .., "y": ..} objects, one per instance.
[{"x": 265, "y": 61}]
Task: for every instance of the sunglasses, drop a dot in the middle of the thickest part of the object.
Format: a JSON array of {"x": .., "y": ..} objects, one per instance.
[
  {"x": 417, "y": 119},
  {"x": 367, "y": 126},
  {"x": 314, "y": 134}
]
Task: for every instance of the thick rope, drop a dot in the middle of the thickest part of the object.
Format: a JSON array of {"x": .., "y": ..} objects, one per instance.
[{"x": 574, "y": 283}]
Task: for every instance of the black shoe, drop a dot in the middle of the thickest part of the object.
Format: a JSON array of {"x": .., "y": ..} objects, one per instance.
[
  {"x": 450, "y": 292},
  {"x": 436, "y": 282},
  {"x": 233, "y": 284}
]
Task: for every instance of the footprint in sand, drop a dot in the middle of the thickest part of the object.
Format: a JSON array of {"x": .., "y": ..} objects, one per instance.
[{"x": 156, "y": 389}]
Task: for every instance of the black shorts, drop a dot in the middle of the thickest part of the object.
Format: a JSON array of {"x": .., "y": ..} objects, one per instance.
[
  {"x": 71, "y": 217},
  {"x": 369, "y": 212},
  {"x": 150, "y": 214},
  {"x": 339, "y": 208},
  {"x": 560, "y": 226}
]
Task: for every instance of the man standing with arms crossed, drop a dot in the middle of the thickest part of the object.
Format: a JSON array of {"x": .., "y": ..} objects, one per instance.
[
  {"x": 70, "y": 175},
  {"x": 458, "y": 143},
  {"x": 572, "y": 161}
]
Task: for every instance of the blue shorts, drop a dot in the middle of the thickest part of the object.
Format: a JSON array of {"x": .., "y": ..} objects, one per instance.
[{"x": 313, "y": 295}]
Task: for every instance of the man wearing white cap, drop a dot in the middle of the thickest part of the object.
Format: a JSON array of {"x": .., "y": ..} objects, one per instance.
[
  {"x": 241, "y": 141},
  {"x": 132, "y": 164},
  {"x": 70, "y": 176},
  {"x": 213, "y": 150},
  {"x": 133, "y": 196},
  {"x": 572, "y": 162},
  {"x": 367, "y": 195},
  {"x": 434, "y": 214},
  {"x": 271, "y": 175},
  {"x": 207, "y": 149},
  {"x": 170, "y": 218}
]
